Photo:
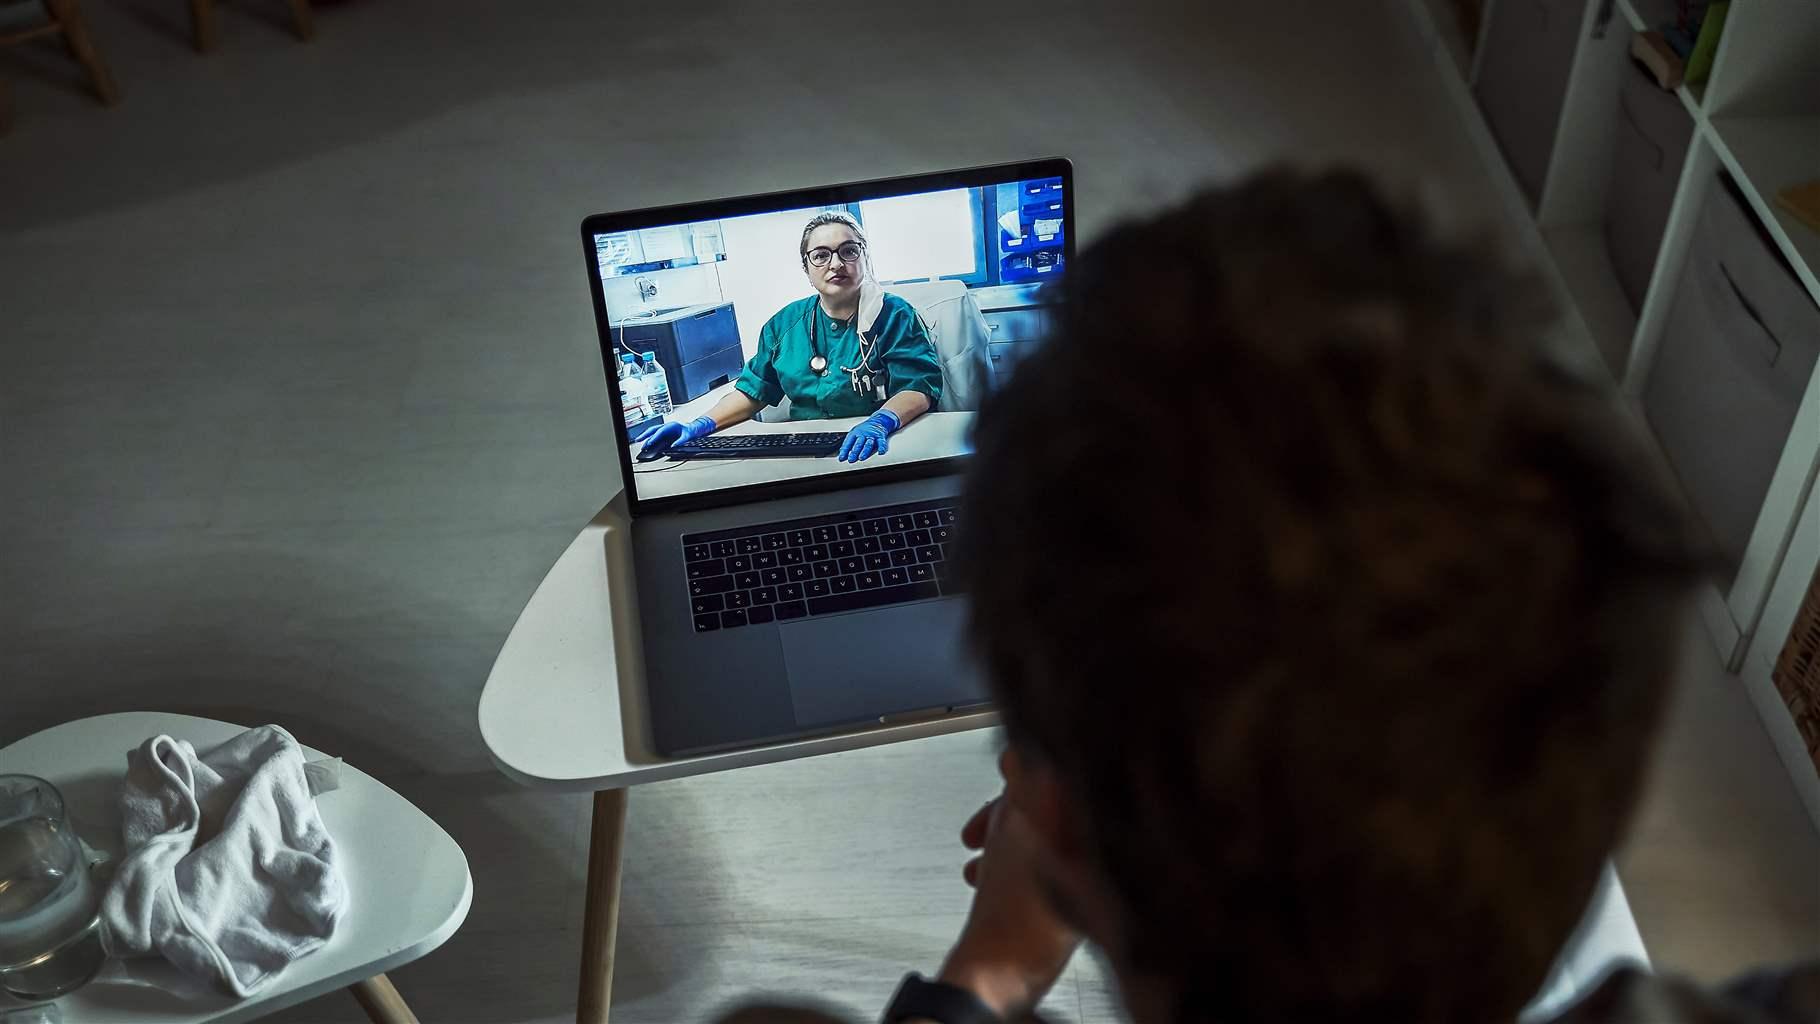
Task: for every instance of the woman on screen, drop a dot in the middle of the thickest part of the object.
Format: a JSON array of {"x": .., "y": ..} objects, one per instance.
[{"x": 849, "y": 350}]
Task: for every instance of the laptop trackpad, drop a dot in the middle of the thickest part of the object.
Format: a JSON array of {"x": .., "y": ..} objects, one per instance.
[{"x": 847, "y": 668}]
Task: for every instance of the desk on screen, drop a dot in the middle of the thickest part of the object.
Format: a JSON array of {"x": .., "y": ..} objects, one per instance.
[{"x": 931, "y": 435}]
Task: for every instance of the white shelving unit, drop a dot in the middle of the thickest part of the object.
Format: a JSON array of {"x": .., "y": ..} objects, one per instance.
[
  {"x": 1757, "y": 119},
  {"x": 1776, "y": 151},
  {"x": 1578, "y": 251},
  {"x": 1760, "y": 661}
]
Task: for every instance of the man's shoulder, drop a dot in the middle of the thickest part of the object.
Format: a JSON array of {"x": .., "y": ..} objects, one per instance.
[{"x": 1629, "y": 996}]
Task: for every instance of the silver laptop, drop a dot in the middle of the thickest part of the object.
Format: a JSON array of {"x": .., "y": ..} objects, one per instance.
[{"x": 793, "y": 379}]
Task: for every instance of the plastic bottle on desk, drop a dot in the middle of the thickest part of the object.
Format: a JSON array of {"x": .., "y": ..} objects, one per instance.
[
  {"x": 632, "y": 394},
  {"x": 657, "y": 385}
]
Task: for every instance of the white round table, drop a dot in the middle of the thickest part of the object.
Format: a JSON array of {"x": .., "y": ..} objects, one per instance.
[{"x": 408, "y": 883}]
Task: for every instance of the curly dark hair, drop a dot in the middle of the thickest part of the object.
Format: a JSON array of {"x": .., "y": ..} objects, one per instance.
[{"x": 1350, "y": 629}]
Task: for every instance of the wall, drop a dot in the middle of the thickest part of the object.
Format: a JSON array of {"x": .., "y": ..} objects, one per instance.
[{"x": 762, "y": 271}]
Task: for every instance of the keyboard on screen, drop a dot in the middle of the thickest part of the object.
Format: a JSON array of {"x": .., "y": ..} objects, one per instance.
[
  {"x": 740, "y": 446},
  {"x": 822, "y": 565}
]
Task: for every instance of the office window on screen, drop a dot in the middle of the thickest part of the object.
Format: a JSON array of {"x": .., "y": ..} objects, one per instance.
[{"x": 935, "y": 234}]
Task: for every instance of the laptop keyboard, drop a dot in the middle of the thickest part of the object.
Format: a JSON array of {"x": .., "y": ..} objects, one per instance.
[{"x": 821, "y": 565}]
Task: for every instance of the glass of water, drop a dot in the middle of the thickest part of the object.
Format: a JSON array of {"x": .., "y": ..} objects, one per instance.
[{"x": 50, "y": 923}]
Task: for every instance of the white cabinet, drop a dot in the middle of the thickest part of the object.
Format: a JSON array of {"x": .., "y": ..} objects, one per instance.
[
  {"x": 1754, "y": 122},
  {"x": 1745, "y": 433},
  {"x": 1792, "y": 580}
]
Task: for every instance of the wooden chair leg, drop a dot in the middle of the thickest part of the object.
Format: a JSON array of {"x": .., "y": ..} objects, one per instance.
[
  {"x": 304, "y": 19},
  {"x": 75, "y": 35},
  {"x": 381, "y": 1001},
  {"x": 600, "y": 919},
  {"x": 204, "y": 31}
]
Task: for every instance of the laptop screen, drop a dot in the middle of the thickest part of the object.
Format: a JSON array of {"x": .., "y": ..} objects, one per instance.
[{"x": 830, "y": 331}]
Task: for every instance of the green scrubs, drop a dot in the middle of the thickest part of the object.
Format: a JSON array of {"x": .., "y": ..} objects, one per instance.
[{"x": 903, "y": 359}]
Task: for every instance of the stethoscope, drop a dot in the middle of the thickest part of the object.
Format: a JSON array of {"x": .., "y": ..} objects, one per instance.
[{"x": 859, "y": 378}]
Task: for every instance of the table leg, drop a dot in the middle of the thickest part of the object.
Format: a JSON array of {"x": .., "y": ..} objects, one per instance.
[
  {"x": 82, "y": 47},
  {"x": 382, "y": 1002},
  {"x": 203, "y": 26},
  {"x": 600, "y": 919},
  {"x": 304, "y": 21}
]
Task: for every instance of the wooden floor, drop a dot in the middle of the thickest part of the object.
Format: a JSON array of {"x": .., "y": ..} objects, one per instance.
[
  {"x": 1723, "y": 862},
  {"x": 301, "y": 396}
]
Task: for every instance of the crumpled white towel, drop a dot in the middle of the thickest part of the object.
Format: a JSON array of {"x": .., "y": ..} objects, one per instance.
[{"x": 228, "y": 871}]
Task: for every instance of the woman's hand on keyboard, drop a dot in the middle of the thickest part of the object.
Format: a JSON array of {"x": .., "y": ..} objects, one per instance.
[
  {"x": 677, "y": 433},
  {"x": 869, "y": 438}
]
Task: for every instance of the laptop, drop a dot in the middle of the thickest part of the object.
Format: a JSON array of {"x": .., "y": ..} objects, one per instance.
[{"x": 784, "y": 590}]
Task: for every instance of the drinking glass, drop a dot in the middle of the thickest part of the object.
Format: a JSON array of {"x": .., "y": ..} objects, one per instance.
[{"x": 50, "y": 921}]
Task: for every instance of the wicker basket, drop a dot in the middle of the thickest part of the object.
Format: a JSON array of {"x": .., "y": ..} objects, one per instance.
[{"x": 1797, "y": 673}]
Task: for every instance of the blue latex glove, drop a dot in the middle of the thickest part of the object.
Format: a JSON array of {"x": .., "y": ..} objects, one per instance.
[
  {"x": 869, "y": 438},
  {"x": 676, "y": 433},
  {"x": 646, "y": 429}
]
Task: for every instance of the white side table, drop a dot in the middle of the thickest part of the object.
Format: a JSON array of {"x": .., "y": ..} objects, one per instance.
[
  {"x": 408, "y": 882},
  {"x": 564, "y": 709}
]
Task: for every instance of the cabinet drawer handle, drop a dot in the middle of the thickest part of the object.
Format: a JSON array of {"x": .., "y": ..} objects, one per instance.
[
  {"x": 1751, "y": 311},
  {"x": 1630, "y": 121},
  {"x": 1602, "y": 19}
]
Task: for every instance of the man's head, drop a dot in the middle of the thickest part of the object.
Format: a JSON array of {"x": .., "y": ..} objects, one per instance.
[{"x": 1332, "y": 660}]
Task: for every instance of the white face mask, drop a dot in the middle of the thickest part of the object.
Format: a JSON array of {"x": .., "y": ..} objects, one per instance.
[{"x": 871, "y": 298}]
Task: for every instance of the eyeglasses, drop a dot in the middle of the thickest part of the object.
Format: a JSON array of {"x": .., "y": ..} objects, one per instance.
[{"x": 821, "y": 256}]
